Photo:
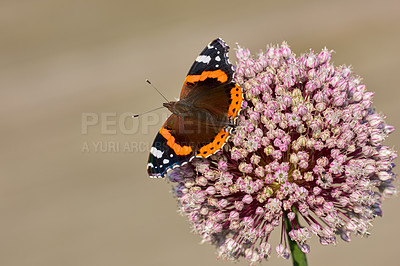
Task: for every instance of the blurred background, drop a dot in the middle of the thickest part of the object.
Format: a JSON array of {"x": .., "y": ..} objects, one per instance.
[{"x": 73, "y": 181}]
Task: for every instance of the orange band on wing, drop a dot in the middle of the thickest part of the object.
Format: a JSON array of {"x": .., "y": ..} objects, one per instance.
[
  {"x": 216, "y": 74},
  {"x": 236, "y": 103},
  {"x": 215, "y": 145},
  {"x": 178, "y": 149}
]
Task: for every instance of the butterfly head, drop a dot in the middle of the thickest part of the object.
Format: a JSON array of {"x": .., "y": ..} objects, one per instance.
[{"x": 178, "y": 107}]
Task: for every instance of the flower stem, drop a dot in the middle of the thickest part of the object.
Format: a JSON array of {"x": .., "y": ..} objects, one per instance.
[{"x": 299, "y": 258}]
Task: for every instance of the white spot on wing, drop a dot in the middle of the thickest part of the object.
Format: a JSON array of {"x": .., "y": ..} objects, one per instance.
[
  {"x": 156, "y": 153},
  {"x": 150, "y": 165},
  {"x": 217, "y": 58},
  {"x": 171, "y": 155},
  {"x": 165, "y": 161},
  {"x": 203, "y": 59}
]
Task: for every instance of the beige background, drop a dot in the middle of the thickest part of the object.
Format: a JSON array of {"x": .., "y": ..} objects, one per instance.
[{"x": 60, "y": 59}]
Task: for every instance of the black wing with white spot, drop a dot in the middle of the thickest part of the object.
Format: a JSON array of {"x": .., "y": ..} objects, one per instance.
[
  {"x": 213, "y": 57},
  {"x": 162, "y": 158}
]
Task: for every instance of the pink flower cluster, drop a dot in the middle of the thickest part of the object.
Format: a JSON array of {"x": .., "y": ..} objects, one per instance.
[{"x": 307, "y": 144}]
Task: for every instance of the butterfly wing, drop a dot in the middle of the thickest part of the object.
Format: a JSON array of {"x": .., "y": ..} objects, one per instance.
[
  {"x": 209, "y": 86},
  {"x": 169, "y": 149},
  {"x": 212, "y": 65},
  {"x": 223, "y": 103}
]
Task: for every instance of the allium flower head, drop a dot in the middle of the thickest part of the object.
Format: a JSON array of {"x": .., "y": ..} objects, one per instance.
[{"x": 307, "y": 143}]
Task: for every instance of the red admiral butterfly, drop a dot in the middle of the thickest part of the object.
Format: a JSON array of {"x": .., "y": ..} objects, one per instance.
[{"x": 202, "y": 119}]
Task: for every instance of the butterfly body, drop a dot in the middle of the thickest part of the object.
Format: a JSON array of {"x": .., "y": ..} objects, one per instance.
[{"x": 203, "y": 117}]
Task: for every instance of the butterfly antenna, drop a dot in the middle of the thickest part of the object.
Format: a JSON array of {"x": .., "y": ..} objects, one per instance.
[
  {"x": 148, "y": 81},
  {"x": 148, "y": 111}
]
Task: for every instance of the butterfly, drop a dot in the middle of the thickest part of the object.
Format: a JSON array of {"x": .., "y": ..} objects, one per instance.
[{"x": 203, "y": 117}]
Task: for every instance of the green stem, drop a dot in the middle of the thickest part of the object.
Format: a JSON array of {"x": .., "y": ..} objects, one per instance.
[{"x": 298, "y": 257}]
